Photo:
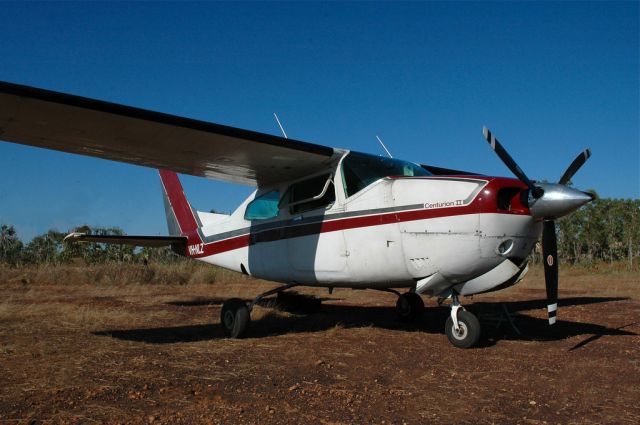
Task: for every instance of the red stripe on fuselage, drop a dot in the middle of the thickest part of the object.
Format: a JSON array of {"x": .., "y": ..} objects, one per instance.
[
  {"x": 287, "y": 232},
  {"x": 484, "y": 203}
]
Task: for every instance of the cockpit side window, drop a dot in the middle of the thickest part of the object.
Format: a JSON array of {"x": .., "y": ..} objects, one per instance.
[
  {"x": 263, "y": 207},
  {"x": 359, "y": 170},
  {"x": 310, "y": 194}
]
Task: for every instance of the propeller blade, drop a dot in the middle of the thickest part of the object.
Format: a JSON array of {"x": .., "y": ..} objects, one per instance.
[
  {"x": 550, "y": 258},
  {"x": 575, "y": 166},
  {"x": 510, "y": 163}
]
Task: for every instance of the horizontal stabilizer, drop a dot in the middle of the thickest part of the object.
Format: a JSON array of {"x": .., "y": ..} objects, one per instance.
[{"x": 151, "y": 241}]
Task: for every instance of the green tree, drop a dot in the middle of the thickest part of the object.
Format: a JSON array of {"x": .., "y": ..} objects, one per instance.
[
  {"x": 604, "y": 230},
  {"x": 10, "y": 245},
  {"x": 631, "y": 230},
  {"x": 44, "y": 248}
]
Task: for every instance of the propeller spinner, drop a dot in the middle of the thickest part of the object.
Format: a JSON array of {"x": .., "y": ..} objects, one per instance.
[{"x": 547, "y": 201}]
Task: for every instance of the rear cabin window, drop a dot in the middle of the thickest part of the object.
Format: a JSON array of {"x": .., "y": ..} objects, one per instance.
[
  {"x": 263, "y": 207},
  {"x": 359, "y": 170},
  {"x": 308, "y": 195}
]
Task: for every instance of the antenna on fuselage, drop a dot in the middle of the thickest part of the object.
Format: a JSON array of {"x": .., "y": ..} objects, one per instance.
[
  {"x": 384, "y": 147},
  {"x": 280, "y": 125}
]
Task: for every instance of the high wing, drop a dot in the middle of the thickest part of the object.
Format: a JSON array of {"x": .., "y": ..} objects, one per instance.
[{"x": 80, "y": 125}]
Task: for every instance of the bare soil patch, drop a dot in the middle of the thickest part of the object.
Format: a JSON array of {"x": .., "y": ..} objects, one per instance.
[{"x": 110, "y": 353}]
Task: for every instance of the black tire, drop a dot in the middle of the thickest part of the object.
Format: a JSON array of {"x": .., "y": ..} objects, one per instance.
[
  {"x": 235, "y": 318},
  {"x": 469, "y": 333},
  {"x": 409, "y": 307}
]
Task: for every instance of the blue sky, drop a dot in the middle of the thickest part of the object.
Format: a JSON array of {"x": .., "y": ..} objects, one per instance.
[{"x": 548, "y": 78}]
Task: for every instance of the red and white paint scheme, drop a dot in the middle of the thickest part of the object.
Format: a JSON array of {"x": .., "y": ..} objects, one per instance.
[{"x": 319, "y": 216}]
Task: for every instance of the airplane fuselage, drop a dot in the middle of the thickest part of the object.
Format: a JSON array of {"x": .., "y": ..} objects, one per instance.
[{"x": 428, "y": 232}]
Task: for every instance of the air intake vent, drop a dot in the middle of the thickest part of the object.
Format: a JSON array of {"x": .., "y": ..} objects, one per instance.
[{"x": 511, "y": 199}]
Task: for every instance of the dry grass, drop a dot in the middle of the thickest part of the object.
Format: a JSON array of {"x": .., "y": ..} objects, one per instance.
[
  {"x": 603, "y": 279},
  {"x": 182, "y": 273},
  {"x": 57, "y": 314},
  {"x": 600, "y": 277},
  {"x": 262, "y": 313}
]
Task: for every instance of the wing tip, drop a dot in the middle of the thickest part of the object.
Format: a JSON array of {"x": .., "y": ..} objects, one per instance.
[{"x": 73, "y": 237}]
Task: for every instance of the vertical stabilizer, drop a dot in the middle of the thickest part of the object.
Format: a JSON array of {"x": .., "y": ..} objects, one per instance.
[{"x": 180, "y": 217}]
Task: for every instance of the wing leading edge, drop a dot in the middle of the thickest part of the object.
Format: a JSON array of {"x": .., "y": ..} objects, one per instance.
[{"x": 74, "y": 124}]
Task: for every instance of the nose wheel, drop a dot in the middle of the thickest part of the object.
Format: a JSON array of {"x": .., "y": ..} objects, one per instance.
[
  {"x": 462, "y": 327},
  {"x": 468, "y": 331}
]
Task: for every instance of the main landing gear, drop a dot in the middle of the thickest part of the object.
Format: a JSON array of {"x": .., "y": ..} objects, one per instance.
[
  {"x": 462, "y": 327},
  {"x": 235, "y": 316},
  {"x": 409, "y": 307}
]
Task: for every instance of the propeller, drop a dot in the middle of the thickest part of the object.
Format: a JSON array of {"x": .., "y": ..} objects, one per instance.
[
  {"x": 575, "y": 166},
  {"x": 550, "y": 254},
  {"x": 536, "y": 191},
  {"x": 548, "y": 201}
]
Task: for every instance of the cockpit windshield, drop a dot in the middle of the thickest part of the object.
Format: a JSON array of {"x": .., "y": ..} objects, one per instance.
[{"x": 359, "y": 170}]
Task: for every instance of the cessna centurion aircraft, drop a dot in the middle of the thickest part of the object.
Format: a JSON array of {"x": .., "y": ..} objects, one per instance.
[{"x": 320, "y": 216}]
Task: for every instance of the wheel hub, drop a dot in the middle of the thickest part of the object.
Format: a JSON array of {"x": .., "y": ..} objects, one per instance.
[
  {"x": 229, "y": 318},
  {"x": 461, "y": 332}
]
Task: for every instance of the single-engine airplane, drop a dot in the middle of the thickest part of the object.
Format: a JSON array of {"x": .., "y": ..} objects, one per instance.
[{"x": 320, "y": 216}]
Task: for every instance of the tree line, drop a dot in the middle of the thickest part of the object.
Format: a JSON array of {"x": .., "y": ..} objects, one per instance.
[{"x": 603, "y": 230}]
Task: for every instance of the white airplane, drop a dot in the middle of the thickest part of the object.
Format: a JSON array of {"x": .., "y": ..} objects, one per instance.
[{"x": 320, "y": 216}]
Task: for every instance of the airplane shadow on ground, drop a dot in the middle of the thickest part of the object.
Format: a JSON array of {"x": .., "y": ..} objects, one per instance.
[
  {"x": 493, "y": 316},
  {"x": 267, "y": 302}
]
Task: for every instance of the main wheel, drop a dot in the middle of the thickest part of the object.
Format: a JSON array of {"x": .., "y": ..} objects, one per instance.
[
  {"x": 469, "y": 330},
  {"x": 409, "y": 307},
  {"x": 235, "y": 317}
]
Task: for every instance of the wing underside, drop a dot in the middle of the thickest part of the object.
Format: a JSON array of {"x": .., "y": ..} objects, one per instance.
[{"x": 79, "y": 125}]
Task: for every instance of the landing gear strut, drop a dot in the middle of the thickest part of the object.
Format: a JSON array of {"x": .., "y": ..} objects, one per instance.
[
  {"x": 235, "y": 316},
  {"x": 462, "y": 327}
]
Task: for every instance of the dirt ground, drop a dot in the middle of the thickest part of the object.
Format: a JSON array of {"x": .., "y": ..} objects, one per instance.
[{"x": 156, "y": 354}]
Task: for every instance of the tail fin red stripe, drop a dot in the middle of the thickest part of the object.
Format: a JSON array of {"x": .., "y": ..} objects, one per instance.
[{"x": 179, "y": 204}]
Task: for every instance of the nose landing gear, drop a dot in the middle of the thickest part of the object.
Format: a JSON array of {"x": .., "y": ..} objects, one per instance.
[{"x": 462, "y": 327}]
